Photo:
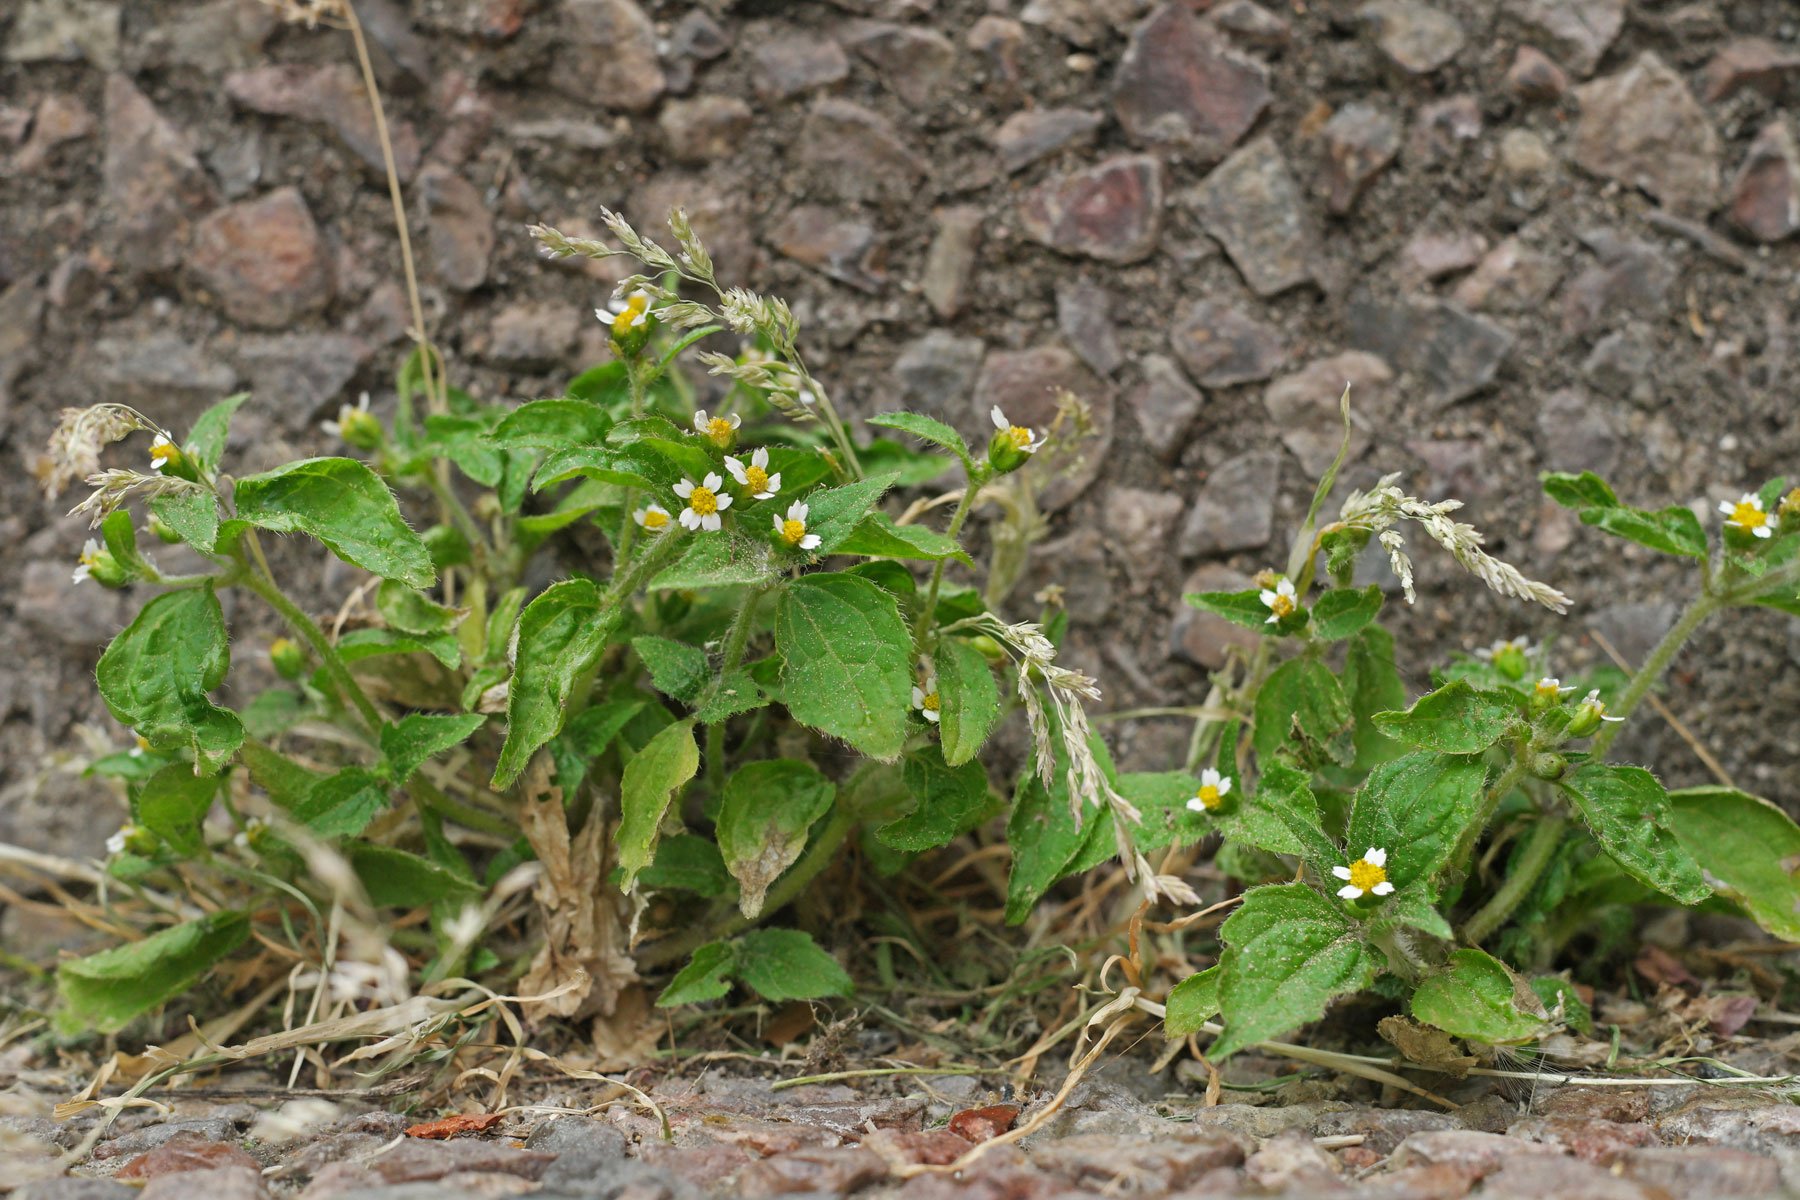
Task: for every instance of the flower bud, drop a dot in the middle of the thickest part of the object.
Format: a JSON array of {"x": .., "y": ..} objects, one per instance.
[
  {"x": 98, "y": 564},
  {"x": 133, "y": 839},
  {"x": 1510, "y": 661},
  {"x": 361, "y": 428},
  {"x": 1588, "y": 717},
  {"x": 166, "y": 458},
  {"x": 1004, "y": 455},
  {"x": 287, "y": 658},
  {"x": 1548, "y": 765}
]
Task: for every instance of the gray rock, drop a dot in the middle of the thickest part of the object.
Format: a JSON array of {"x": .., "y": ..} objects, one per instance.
[
  {"x": 1703, "y": 1171},
  {"x": 1765, "y": 195},
  {"x": 1111, "y": 211},
  {"x": 1750, "y": 62},
  {"x": 1577, "y": 31},
  {"x": 1250, "y": 25},
  {"x": 1621, "y": 365},
  {"x": 1460, "y": 467},
  {"x": 607, "y": 55},
  {"x": 459, "y": 232},
  {"x": 1453, "y": 352},
  {"x": 1360, "y": 140},
  {"x": 1512, "y": 277},
  {"x": 263, "y": 260},
  {"x": 1080, "y": 570},
  {"x": 843, "y": 246},
  {"x": 1431, "y": 256},
  {"x": 331, "y": 94},
  {"x": 219, "y": 1183},
  {"x": 589, "y": 1153},
  {"x": 296, "y": 377},
  {"x": 1140, "y": 522},
  {"x": 1304, "y": 406},
  {"x": 1575, "y": 434},
  {"x": 533, "y": 335},
  {"x": 66, "y": 31},
  {"x": 21, "y": 315},
  {"x": 79, "y": 618},
  {"x": 998, "y": 39},
  {"x": 937, "y": 373},
  {"x": 1253, "y": 206},
  {"x": 153, "y": 182},
  {"x": 1179, "y": 85},
  {"x": 1634, "y": 627},
  {"x": 76, "y": 1189},
  {"x": 160, "y": 367},
  {"x": 1205, "y": 640},
  {"x": 1235, "y": 509},
  {"x": 793, "y": 62},
  {"x": 1084, "y": 317},
  {"x": 130, "y": 1145},
  {"x": 1442, "y": 129},
  {"x": 917, "y": 65},
  {"x": 1631, "y": 278},
  {"x": 1221, "y": 346},
  {"x": 950, "y": 262},
  {"x": 857, "y": 155},
  {"x": 1644, "y": 128},
  {"x": 1166, "y": 405},
  {"x": 59, "y": 119},
  {"x": 1079, "y": 22},
  {"x": 1417, "y": 37},
  {"x": 1035, "y": 133},
  {"x": 700, "y": 130},
  {"x": 1534, "y": 77}
]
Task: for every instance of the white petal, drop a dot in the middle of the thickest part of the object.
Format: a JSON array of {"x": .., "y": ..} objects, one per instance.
[
  {"x": 685, "y": 488},
  {"x": 1376, "y": 858},
  {"x": 689, "y": 519},
  {"x": 1194, "y": 805},
  {"x": 918, "y": 696},
  {"x": 810, "y": 542},
  {"x": 1224, "y": 785},
  {"x": 735, "y": 467},
  {"x": 775, "y": 483},
  {"x": 699, "y": 420},
  {"x": 775, "y": 519},
  {"x": 711, "y": 523},
  {"x": 1273, "y": 620},
  {"x": 712, "y": 481},
  {"x": 1383, "y": 888},
  {"x": 1341, "y": 872},
  {"x": 1753, "y": 500},
  {"x": 1267, "y": 597},
  {"x": 761, "y": 457},
  {"x": 80, "y": 574},
  {"x": 1285, "y": 587},
  {"x": 1763, "y": 531},
  {"x": 1727, "y": 507},
  {"x": 724, "y": 502},
  {"x": 798, "y": 509},
  {"x": 929, "y": 715},
  {"x": 1209, "y": 778},
  {"x": 1349, "y": 892},
  {"x": 734, "y": 420}
]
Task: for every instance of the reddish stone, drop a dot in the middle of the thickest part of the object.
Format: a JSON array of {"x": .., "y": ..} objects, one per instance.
[
  {"x": 1430, "y": 256},
  {"x": 1470, "y": 1148},
  {"x": 857, "y": 154},
  {"x": 1418, "y": 38},
  {"x": 186, "y": 1152},
  {"x": 459, "y": 232},
  {"x": 932, "y": 1147},
  {"x": 1304, "y": 406},
  {"x": 707, "y": 127},
  {"x": 1252, "y": 204},
  {"x": 332, "y": 95},
  {"x": 1606, "y": 1104},
  {"x": 59, "y": 119},
  {"x": 1576, "y": 31},
  {"x": 1360, "y": 140},
  {"x": 1179, "y": 85},
  {"x": 1597, "y": 1141},
  {"x": 1533, "y": 76},
  {"x": 1221, "y": 346},
  {"x": 833, "y": 1171},
  {"x": 793, "y": 62},
  {"x": 263, "y": 260},
  {"x": 918, "y": 65},
  {"x": 843, "y": 246},
  {"x": 413, "y": 1161},
  {"x": 1765, "y": 196},
  {"x": 1750, "y": 62},
  {"x": 1537, "y": 1177},
  {"x": 607, "y": 56},
  {"x": 950, "y": 262},
  {"x": 1111, "y": 211},
  {"x": 1442, "y": 127},
  {"x": 220, "y": 1183},
  {"x": 1035, "y": 133},
  {"x": 998, "y": 39},
  {"x": 984, "y": 1124},
  {"x": 1695, "y": 1171},
  {"x": 1644, "y": 128}
]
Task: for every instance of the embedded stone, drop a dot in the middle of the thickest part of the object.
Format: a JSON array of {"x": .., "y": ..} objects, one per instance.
[
  {"x": 1442, "y": 128},
  {"x": 950, "y": 262},
  {"x": 1577, "y": 31},
  {"x": 1178, "y": 85},
  {"x": 1252, "y": 204},
  {"x": 1765, "y": 195},
  {"x": 332, "y": 95},
  {"x": 998, "y": 39},
  {"x": 700, "y": 130},
  {"x": 1427, "y": 257},
  {"x": 937, "y": 373},
  {"x": 1035, "y": 133},
  {"x": 1111, "y": 211},
  {"x": 917, "y": 65},
  {"x": 1417, "y": 37},
  {"x": 1630, "y": 278},
  {"x": 857, "y": 155},
  {"x": 1533, "y": 76},
  {"x": 845, "y": 247},
  {"x": 1166, "y": 405},
  {"x": 1235, "y": 509},
  {"x": 532, "y": 335},
  {"x": 59, "y": 119},
  {"x": 1221, "y": 347},
  {"x": 1644, "y": 128},
  {"x": 1027, "y": 384},
  {"x": 1512, "y": 277},
  {"x": 1703, "y": 1171},
  {"x": 263, "y": 260},
  {"x": 1360, "y": 140},
  {"x": 459, "y": 231},
  {"x": 1453, "y": 352},
  {"x": 793, "y": 62},
  {"x": 308, "y": 371},
  {"x": 65, "y": 31},
  {"x": 1201, "y": 637},
  {"x": 1304, "y": 406},
  {"x": 606, "y": 55},
  {"x": 1749, "y": 62},
  {"x": 1084, "y": 317},
  {"x": 1251, "y": 25},
  {"x": 152, "y": 178}
]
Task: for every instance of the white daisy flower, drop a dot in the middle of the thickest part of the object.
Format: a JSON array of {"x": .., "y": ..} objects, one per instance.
[
  {"x": 721, "y": 431},
  {"x": 925, "y": 699},
  {"x": 1024, "y": 439},
  {"x": 1749, "y": 515},
  {"x": 755, "y": 476},
  {"x": 1279, "y": 601},
  {"x": 1593, "y": 706},
  {"x": 1505, "y": 646},
  {"x": 652, "y": 518},
  {"x": 792, "y": 528},
  {"x": 348, "y": 416},
  {"x": 1214, "y": 787},
  {"x": 704, "y": 503},
  {"x": 164, "y": 451},
  {"x": 1367, "y": 874},
  {"x": 623, "y": 314},
  {"x": 1549, "y": 690},
  {"x": 84, "y": 566}
]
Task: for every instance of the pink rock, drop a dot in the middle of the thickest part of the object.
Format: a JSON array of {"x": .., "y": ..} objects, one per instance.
[
  {"x": 332, "y": 95},
  {"x": 263, "y": 260},
  {"x": 1765, "y": 195},
  {"x": 154, "y": 183},
  {"x": 1644, "y": 128},
  {"x": 1533, "y": 76},
  {"x": 1179, "y": 85},
  {"x": 1112, "y": 211},
  {"x": 1749, "y": 62}
]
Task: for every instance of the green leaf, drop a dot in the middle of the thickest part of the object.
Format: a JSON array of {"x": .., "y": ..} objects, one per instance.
[
  {"x": 1340, "y": 612},
  {"x": 834, "y": 513},
  {"x": 948, "y": 802},
  {"x": 173, "y": 803},
  {"x": 735, "y": 692},
  {"x": 155, "y": 675},
  {"x": 344, "y": 504},
  {"x": 1045, "y": 839},
  {"x": 1161, "y": 797},
  {"x": 586, "y": 737},
  {"x": 1413, "y": 908},
  {"x": 192, "y": 515},
  {"x": 286, "y": 781},
  {"x": 1192, "y": 1002},
  {"x": 1628, "y": 812},
  {"x": 622, "y": 466},
  {"x": 689, "y": 862},
  {"x": 706, "y": 977},
  {"x": 103, "y": 992},
  {"x": 877, "y": 536},
  {"x": 1240, "y": 608},
  {"x": 342, "y": 805},
  {"x": 764, "y": 816},
  {"x": 120, "y": 539},
  {"x": 607, "y": 385},
  {"x": 395, "y": 879},
  {"x": 559, "y": 636},
  {"x": 677, "y": 669},
  {"x": 206, "y": 438},
  {"x": 784, "y": 964},
  {"x": 1302, "y": 702},
  {"x": 924, "y": 428},
  {"x": 847, "y": 661},
  {"x": 1286, "y": 796},
  {"x": 1417, "y": 809},
  {"x": 968, "y": 699},
  {"x": 1749, "y": 850},
  {"x": 360, "y": 644},
  {"x": 1372, "y": 685},
  {"x": 1455, "y": 719},
  {"x": 714, "y": 560},
  {"x": 1288, "y": 952},
  {"x": 900, "y": 463},
  {"x": 650, "y": 782},
  {"x": 1474, "y": 996},
  {"x": 412, "y": 611},
  {"x": 418, "y": 737},
  {"x": 551, "y": 425},
  {"x": 1672, "y": 530}
]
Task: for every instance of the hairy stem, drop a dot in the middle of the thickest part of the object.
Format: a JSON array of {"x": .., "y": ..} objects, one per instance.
[
  {"x": 629, "y": 533},
  {"x": 735, "y": 641},
  {"x": 1508, "y": 780},
  {"x": 929, "y": 609},
  {"x": 1540, "y": 847},
  {"x": 1700, "y": 608},
  {"x": 264, "y": 586}
]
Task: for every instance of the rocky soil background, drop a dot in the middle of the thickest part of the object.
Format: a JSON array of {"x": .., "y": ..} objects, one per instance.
[{"x": 1532, "y": 233}]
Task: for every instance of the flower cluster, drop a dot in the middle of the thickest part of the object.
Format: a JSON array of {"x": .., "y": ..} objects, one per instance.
[{"x": 1749, "y": 516}]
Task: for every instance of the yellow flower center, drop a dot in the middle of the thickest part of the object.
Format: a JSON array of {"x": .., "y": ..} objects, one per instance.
[
  {"x": 1208, "y": 795},
  {"x": 702, "y": 501},
  {"x": 1746, "y": 515},
  {"x": 163, "y": 450},
  {"x": 1282, "y": 606},
  {"x": 656, "y": 519},
  {"x": 143, "y": 743},
  {"x": 1365, "y": 875},
  {"x": 792, "y": 531},
  {"x": 930, "y": 703},
  {"x": 720, "y": 431},
  {"x": 89, "y": 558},
  {"x": 1021, "y": 436},
  {"x": 634, "y": 308},
  {"x": 1546, "y": 690},
  {"x": 755, "y": 478}
]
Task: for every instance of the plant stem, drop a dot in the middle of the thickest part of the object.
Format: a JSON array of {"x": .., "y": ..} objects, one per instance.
[
  {"x": 1700, "y": 608},
  {"x": 1540, "y": 847},
  {"x": 735, "y": 641},
  {"x": 937, "y": 571},
  {"x": 1509, "y": 779},
  {"x": 629, "y": 534},
  {"x": 264, "y": 586},
  {"x": 818, "y": 856}
]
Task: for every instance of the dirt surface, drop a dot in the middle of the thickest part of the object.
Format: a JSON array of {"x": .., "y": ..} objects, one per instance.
[{"x": 1534, "y": 234}]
